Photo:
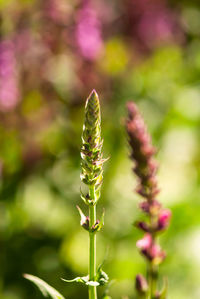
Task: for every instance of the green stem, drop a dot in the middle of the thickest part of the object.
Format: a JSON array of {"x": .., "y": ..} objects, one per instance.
[
  {"x": 153, "y": 269},
  {"x": 92, "y": 248},
  {"x": 152, "y": 280}
]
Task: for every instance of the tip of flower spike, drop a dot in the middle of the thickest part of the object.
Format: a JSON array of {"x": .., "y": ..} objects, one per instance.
[
  {"x": 92, "y": 105},
  {"x": 93, "y": 95},
  {"x": 94, "y": 92},
  {"x": 132, "y": 108}
]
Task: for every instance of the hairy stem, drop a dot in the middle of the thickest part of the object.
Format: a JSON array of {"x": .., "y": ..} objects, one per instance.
[{"x": 92, "y": 248}]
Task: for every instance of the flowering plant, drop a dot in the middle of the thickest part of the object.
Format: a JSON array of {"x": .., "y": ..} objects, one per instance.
[
  {"x": 92, "y": 176},
  {"x": 145, "y": 168}
]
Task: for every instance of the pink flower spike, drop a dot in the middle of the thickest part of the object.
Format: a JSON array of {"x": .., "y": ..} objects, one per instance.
[
  {"x": 163, "y": 220},
  {"x": 144, "y": 243}
]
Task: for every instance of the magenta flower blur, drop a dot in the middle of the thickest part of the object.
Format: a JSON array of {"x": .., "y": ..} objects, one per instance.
[
  {"x": 153, "y": 22},
  {"x": 145, "y": 242},
  {"x": 150, "y": 249},
  {"x": 9, "y": 93},
  {"x": 157, "y": 218},
  {"x": 163, "y": 219},
  {"x": 88, "y": 32}
]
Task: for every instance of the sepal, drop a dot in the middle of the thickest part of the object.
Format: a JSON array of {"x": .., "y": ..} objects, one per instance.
[
  {"x": 99, "y": 224},
  {"x": 85, "y": 223},
  {"x": 86, "y": 198},
  {"x": 91, "y": 181}
]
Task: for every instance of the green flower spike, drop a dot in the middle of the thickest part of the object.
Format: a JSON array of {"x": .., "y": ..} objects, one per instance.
[
  {"x": 91, "y": 154},
  {"x": 92, "y": 176}
]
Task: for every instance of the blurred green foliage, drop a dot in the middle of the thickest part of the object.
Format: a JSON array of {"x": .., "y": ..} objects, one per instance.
[{"x": 40, "y": 138}]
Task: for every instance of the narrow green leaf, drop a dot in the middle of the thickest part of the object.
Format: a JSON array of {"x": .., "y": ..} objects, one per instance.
[
  {"x": 45, "y": 289},
  {"x": 83, "y": 279}
]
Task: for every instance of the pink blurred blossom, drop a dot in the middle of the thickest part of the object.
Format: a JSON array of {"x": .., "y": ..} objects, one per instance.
[
  {"x": 164, "y": 217},
  {"x": 156, "y": 252},
  {"x": 88, "y": 32},
  {"x": 153, "y": 22},
  {"x": 145, "y": 242},
  {"x": 150, "y": 249},
  {"x": 156, "y": 26},
  {"x": 9, "y": 92}
]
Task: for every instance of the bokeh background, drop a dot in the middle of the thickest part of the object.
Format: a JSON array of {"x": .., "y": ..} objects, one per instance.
[{"x": 52, "y": 54}]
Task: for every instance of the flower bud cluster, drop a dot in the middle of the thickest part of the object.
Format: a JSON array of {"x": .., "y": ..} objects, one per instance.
[
  {"x": 145, "y": 168},
  {"x": 91, "y": 151}
]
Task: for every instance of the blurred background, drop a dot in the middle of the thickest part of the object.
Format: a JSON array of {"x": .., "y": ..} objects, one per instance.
[{"x": 52, "y": 54}]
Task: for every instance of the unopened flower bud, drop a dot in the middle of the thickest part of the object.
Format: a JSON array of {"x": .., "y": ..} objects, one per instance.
[
  {"x": 152, "y": 208},
  {"x": 141, "y": 284}
]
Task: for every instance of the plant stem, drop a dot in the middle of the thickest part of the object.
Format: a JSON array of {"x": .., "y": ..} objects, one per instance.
[
  {"x": 92, "y": 248},
  {"x": 153, "y": 269},
  {"x": 152, "y": 280}
]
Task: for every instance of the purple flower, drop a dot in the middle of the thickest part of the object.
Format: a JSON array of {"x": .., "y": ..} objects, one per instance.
[
  {"x": 9, "y": 92},
  {"x": 153, "y": 23},
  {"x": 163, "y": 219},
  {"x": 88, "y": 32}
]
